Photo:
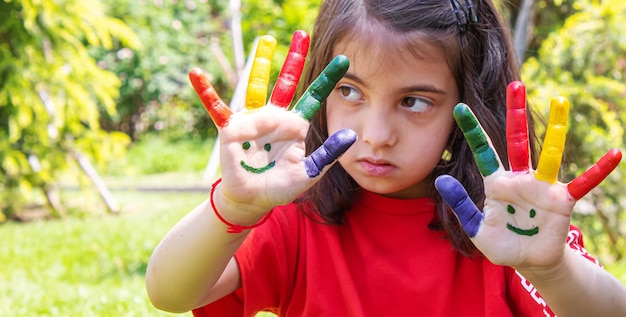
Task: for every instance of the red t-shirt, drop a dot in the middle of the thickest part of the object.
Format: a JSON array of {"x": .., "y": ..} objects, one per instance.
[{"x": 384, "y": 261}]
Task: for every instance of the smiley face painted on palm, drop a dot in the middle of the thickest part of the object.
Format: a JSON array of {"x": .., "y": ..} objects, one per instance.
[
  {"x": 524, "y": 232},
  {"x": 257, "y": 170}
]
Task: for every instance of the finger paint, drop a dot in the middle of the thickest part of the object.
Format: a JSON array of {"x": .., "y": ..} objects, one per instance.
[
  {"x": 217, "y": 109},
  {"x": 258, "y": 81},
  {"x": 287, "y": 82},
  {"x": 453, "y": 193},
  {"x": 484, "y": 155},
  {"x": 517, "y": 127},
  {"x": 337, "y": 144},
  {"x": 554, "y": 142},
  {"x": 321, "y": 87},
  {"x": 593, "y": 176}
]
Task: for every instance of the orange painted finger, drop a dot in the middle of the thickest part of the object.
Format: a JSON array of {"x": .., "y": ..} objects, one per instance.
[
  {"x": 260, "y": 73},
  {"x": 287, "y": 82},
  {"x": 593, "y": 176},
  {"x": 517, "y": 127},
  {"x": 554, "y": 142},
  {"x": 218, "y": 110}
]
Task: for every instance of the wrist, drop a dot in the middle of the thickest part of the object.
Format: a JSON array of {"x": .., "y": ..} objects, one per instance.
[
  {"x": 556, "y": 271},
  {"x": 236, "y": 222}
]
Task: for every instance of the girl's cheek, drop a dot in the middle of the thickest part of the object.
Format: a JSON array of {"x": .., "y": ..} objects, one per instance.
[{"x": 337, "y": 120}]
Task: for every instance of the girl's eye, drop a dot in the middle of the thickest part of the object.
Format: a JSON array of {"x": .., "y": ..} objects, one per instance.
[
  {"x": 416, "y": 104},
  {"x": 349, "y": 93}
]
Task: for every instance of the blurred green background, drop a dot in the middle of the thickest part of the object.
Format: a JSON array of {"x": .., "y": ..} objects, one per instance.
[{"x": 104, "y": 145}]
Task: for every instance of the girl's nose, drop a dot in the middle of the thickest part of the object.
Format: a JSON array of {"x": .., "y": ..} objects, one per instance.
[{"x": 378, "y": 129}]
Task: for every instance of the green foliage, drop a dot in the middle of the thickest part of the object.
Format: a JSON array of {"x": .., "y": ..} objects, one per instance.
[
  {"x": 55, "y": 97},
  {"x": 52, "y": 90},
  {"x": 175, "y": 36},
  {"x": 585, "y": 61},
  {"x": 179, "y": 35},
  {"x": 277, "y": 18},
  {"x": 549, "y": 17}
]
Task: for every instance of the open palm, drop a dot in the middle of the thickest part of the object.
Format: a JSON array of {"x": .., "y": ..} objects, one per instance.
[
  {"x": 527, "y": 213},
  {"x": 262, "y": 152}
]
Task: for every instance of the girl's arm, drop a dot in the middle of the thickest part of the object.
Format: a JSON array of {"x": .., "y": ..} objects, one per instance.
[
  {"x": 193, "y": 265},
  {"x": 526, "y": 216},
  {"x": 262, "y": 157},
  {"x": 578, "y": 287}
]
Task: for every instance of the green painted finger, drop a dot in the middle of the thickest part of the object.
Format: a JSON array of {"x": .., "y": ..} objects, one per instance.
[
  {"x": 321, "y": 87},
  {"x": 485, "y": 156}
]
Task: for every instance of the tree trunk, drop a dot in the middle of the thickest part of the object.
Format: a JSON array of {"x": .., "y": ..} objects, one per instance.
[{"x": 522, "y": 29}]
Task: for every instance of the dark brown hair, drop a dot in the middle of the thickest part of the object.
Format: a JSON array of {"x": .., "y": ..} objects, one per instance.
[{"x": 482, "y": 60}]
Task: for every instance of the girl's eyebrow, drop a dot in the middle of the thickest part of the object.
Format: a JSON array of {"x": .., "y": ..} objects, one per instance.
[
  {"x": 355, "y": 78},
  {"x": 424, "y": 88},
  {"x": 421, "y": 87}
]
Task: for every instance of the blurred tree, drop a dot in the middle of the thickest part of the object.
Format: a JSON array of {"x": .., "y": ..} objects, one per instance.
[
  {"x": 51, "y": 91},
  {"x": 544, "y": 17},
  {"x": 175, "y": 36},
  {"x": 155, "y": 95},
  {"x": 585, "y": 61}
]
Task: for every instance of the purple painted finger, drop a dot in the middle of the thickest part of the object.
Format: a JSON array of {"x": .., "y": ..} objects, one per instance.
[
  {"x": 327, "y": 153},
  {"x": 457, "y": 198}
]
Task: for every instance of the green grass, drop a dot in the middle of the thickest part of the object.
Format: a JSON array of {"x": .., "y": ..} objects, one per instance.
[
  {"x": 87, "y": 266},
  {"x": 155, "y": 155}
]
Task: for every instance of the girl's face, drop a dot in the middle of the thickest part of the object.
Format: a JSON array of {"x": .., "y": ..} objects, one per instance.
[{"x": 400, "y": 106}]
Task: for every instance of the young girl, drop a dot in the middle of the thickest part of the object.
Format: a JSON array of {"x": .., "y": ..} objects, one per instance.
[{"x": 371, "y": 236}]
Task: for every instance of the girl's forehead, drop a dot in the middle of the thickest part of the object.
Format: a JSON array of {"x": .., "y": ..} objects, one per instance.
[
  {"x": 379, "y": 45},
  {"x": 390, "y": 52}
]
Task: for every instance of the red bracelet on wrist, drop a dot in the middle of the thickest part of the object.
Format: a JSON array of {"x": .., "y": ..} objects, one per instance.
[{"x": 233, "y": 228}]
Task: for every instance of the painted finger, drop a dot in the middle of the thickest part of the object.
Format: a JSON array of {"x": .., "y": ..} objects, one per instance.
[
  {"x": 327, "y": 153},
  {"x": 479, "y": 143},
  {"x": 260, "y": 73},
  {"x": 517, "y": 127},
  {"x": 554, "y": 142},
  {"x": 321, "y": 87},
  {"x": 584, "y": 183},
  {"x": 287, "y": 82},
  {"x": 218, "y": 110},
  {"x": 457, "y": 198}
]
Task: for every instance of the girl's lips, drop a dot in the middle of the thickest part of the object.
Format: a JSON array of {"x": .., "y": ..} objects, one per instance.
[{"x": 376, "y": 168}]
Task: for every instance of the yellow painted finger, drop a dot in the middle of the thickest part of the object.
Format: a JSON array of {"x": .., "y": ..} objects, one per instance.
[
  {"x": 554, "y": 142},
  {"x": 260, "y": 73}
]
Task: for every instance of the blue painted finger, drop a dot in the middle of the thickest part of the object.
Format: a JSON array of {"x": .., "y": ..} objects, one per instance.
[
  {"x": 456, "y": 197},
  {"x": 327, "y": 153}
]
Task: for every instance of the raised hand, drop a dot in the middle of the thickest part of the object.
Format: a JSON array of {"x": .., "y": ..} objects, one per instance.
[
  {"x": 526, "y": 214},
  {"x": 262, "y": 151}
]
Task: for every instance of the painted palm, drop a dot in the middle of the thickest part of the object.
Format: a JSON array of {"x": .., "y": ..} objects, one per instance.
[{"x": 527, "y": 212}]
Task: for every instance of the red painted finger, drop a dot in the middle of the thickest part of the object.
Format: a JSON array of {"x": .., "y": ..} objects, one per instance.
[
  {"x": 287, "y": 82},
  {"x": 218, "y": 110},
  {"x": 517, "y": 127},
  {"x": 584, "y": 183}
]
